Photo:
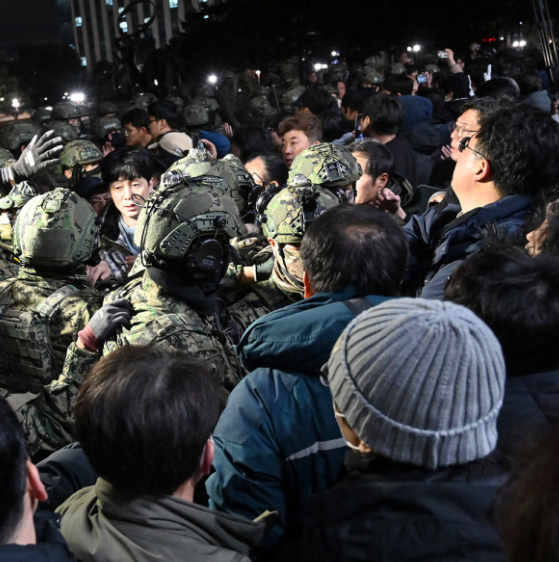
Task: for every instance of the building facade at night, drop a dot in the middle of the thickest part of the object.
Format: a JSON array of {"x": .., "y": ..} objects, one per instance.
[{"x": 96, "y": 25}]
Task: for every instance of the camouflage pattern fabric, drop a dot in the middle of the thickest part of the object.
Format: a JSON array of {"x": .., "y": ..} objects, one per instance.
[
  {"x": 8, "y": 267},
  {"x": 28, "y": 291},
  {"x": 275, "y": 293},
  {"x": 48, "y": 418},
  {"x": 369, "y": 75},
  {"x": 16, "y": 133},
  {"x": 327, "y": 165},
  {"x": 159, "y": 318},
  {"x": 80, "y": 152}
]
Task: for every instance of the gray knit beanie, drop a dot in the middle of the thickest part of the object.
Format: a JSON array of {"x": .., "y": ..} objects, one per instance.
[{"x": 420, "y": 382}]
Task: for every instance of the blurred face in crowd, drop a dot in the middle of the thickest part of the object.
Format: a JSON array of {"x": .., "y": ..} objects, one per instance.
[
  {"x": 470, "y": 171},
  {"x": 121, "y": 193},
  {"x": 537, "y": 237},
  {"x": 341, "y": 90},
  {"x": 257, "y": 170},
  {"x": 99, "y": 201},
  {"x": 467, "y": 125},
  {"x": 292, "y": 144},
  {"x": 367, "y": 187},
  {"x": 136, "y": 137}
]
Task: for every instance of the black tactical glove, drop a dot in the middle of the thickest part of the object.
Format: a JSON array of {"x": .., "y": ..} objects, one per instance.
[
  {"x": 38, "y": 155},
  {"x": 104, "y": 323}
]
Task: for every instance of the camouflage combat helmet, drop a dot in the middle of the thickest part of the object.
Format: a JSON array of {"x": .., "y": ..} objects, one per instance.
[
  {"x": 370, "y": 76},
  {"x": 41, "y": 115},
  {"x": 106, "y": 108},
  {"x": 18, "y": 196},
  {"x": 65, "y": 110},
  {"x": 205, "y": 91},
  {"x": 195, "y": 115},
  {"x": 431, "y": 68},
  {"x": 240, "y": 181},
  {"x": 6, "y": 157},
  {"x": 327, "y": 165},
  {"x": 179, "y": 215},
  {"x": 16, "y": 133},
  {"x": 286, "y": 215},
  {"x": 209, "y": 103},
  {"x": 143, "y": 100},
  {"x": 292, "y": 95},
  {"x": 176, "y": 100},
  {"x": 396, "y": 68},
  {"x": 105, "y": 125},
  {"x": 63, "y": 129},
  {"x": 338, "y": 72},
  {"x": 80, "y": 152},
  {"x": 262, "y": 104},
  {"x": 55, "y": 229}
]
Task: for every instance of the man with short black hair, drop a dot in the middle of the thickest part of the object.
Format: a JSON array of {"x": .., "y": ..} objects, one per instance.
[
  {"x": 136, "y": 124},
  {"x": 277, "y": 441},
  {"x": 164, "y": 126},
  {"x": 508, "y": 167},
  {"x": 398, "y": 85},
  {"x": 145, "y": 417},
  {"x": 22, "y": 538},
  {"x": 517, "y": 296},
  {"x": 382, "y": 116}
]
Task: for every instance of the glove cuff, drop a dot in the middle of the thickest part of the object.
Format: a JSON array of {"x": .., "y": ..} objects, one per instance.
[{"x": 88, "y": 338}]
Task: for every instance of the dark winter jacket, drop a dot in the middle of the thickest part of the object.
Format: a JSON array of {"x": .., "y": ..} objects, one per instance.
[
  {"x": 387, "y": 512},
  {"x": 277, "y": 441},
  {"x": 50, "y": 547},
  {"x": 439, "y": 240},
  {"x": 531, "y": 405}
]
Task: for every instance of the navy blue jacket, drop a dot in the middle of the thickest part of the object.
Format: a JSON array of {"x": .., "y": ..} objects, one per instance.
[
  {"x": 277, "y": 441},
  {"x": 439, "y": 240}
]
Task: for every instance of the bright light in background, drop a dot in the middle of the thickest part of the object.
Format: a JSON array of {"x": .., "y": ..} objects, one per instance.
[
  {"x": 155, "y": 82},
  {"x": 15, "y": 103},
  {"x": 335, "y": 53},
  {"x": 48, "y": 108},
  {"x": 515, "y": 44},
  {"x": 212, "y": 78},
  {"x": 206, "y": 17},
  {"x": 317, "y": 66},
  {"x": 416, "y": 48},
  {"x": 409, "y": 48},
  {"x": 77, "y": 97},
  {"x": 522, "y": 43},
  {"x": 258, "y": 72}
]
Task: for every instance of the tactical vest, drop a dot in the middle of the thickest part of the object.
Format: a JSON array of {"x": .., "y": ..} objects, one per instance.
[{"x": 27, "y": 360}]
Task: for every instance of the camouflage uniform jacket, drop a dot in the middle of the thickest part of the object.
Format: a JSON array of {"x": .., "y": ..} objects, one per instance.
[
  {"x": 160, "y": 317},
  {"x": 29, "y": 289},
  {"x": 47, "y": 417},
  {"x": 8, "y": 266},
  {"x": 258, "y": 300}
]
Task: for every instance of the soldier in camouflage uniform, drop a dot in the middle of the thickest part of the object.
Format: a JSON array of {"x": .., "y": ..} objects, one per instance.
[
  {"x": 9, "y": 207},
  {"x": 80, "y": 159},
  {"x": 184, "y": 233},
  {"x": 321, "y": 177},
  {"x": 68, "y": 112},
  {"x": 44, "y": 308}
]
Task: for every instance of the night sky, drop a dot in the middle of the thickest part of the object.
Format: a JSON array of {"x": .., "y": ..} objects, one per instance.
[{"x": 27, "y": 23}]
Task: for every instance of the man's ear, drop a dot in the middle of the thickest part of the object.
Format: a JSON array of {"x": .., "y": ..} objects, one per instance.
[
  {"x": 150, "y": 185},
  {"x": 208, "y": 458},
  {"x": 382, "y": 180},
  {"x": 309, "y": 289},
  {"x": 316, "y": 142},
  {"x": 483, "y": 171},
  {"x": 35, "y": 487},
  {"x": 365, "y": 123}
]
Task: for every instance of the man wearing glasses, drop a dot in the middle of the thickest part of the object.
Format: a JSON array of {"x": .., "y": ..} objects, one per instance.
[{"x": 507, "y": 163}]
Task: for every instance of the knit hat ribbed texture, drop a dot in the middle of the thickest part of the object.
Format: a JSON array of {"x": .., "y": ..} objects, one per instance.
[{"x": 421, "y": 382}]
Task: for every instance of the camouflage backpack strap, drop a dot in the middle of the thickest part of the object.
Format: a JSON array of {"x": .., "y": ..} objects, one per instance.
[
  {"x": 52, "y": 302},
  {"x": 27, "y": 358},
  {"x": 270, "y": 295},
  {"x": 164, "y": 327}
]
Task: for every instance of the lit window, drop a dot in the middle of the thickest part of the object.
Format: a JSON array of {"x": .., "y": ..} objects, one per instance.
[
  {"x": 84, "y": 61},
  {"x": 78, "y": 22},
  {"x": 173, "y": 4},
  {"x": 206, "y": 17},
  {"x": 146, "y": 20},
  {"x": 109, "y": 2},
  {"x": 124, "y": 26},
  {"x": 120, "y": 10}
]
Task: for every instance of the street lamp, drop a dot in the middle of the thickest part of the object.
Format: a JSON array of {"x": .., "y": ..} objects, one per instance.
[
  {"x": 416, "y": 48},
  {"x": 77, "y": 97},
  {"x": 212, "y": 78}
]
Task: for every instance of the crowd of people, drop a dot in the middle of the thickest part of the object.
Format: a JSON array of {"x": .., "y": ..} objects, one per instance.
[{"x": 266, "y": 321}]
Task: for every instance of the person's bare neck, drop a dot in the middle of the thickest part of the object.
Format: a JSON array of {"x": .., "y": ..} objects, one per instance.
[
  {"x": 25, "y": 532},
  {"x": 479, "y": 198},
  {"x": 383, "y": 139},
  {"x": 186, "y": 491}
]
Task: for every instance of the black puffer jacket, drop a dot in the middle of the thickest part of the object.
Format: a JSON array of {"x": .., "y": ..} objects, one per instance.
[
  {"x": 386, "y": 512},
  {"x": 531, "y": 405}
]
